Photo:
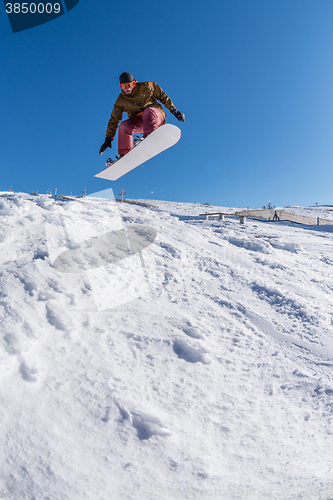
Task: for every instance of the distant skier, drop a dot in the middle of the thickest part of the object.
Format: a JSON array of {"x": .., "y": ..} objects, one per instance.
[{"x": 145, "y": 114}]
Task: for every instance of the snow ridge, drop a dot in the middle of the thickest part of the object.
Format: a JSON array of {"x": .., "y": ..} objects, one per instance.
[{"x": 186, "y": 358}]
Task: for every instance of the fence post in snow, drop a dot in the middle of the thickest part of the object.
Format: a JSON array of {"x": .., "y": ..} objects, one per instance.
[
  {"x": 318, "y": 221},
  {"x": 242, "y": 219},
  {"x": 122, "y": 192}
]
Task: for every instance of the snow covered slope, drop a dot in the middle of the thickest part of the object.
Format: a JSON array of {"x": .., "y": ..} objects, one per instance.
[{"x": 197, "y": 366}]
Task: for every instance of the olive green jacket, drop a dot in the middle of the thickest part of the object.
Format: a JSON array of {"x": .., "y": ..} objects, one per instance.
[{"x": 144, "y": 95}]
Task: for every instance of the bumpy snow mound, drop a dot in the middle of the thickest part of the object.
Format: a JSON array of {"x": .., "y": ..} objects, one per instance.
[{"x": 193, "y": 361}]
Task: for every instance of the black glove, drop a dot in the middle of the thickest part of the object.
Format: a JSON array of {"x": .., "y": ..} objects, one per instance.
[
  {"x": 105, "y": 145},
  {"x": 178, "y": 114}
]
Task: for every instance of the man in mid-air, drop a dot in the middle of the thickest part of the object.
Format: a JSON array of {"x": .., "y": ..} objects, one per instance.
[{"x": 145, "y": 114}]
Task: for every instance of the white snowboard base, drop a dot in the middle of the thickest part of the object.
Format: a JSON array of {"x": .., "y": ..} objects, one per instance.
[{"x": 159, "y": 140}]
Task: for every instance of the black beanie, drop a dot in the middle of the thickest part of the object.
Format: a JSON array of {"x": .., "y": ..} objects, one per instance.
[{"x": 126, "y": 77}]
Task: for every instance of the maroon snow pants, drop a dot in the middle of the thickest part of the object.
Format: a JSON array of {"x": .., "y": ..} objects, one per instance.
[{"x": 150, "y": 119}]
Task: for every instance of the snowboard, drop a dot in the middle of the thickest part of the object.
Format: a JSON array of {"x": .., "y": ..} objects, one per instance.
[{"x": 159, "y": 140}]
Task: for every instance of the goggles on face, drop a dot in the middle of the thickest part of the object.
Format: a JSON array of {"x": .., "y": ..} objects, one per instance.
[{"x": 128, "y": 85}]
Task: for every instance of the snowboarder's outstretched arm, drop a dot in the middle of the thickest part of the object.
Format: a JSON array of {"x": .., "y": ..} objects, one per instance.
[
  {"x": 116, "y": 116},
  {"x": 115, "y": 119},
  {"x": 106, "y": 144},
  {"x": 165, "y": 99},
  {"x": 178, "y": 114}
]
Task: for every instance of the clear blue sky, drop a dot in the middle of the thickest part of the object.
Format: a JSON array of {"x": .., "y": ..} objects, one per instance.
[{"x": 253, "y": 77}]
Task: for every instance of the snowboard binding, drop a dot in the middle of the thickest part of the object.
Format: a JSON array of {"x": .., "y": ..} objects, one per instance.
[
  {"x": 110, "y": 161},
  {"x": 137, "y": 140}
]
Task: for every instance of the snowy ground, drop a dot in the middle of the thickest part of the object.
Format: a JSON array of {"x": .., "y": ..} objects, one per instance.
[{"x": 199, "y": 367}]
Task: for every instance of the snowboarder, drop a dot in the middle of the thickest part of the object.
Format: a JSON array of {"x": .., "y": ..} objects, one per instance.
[{"x": 145, "y": 114}]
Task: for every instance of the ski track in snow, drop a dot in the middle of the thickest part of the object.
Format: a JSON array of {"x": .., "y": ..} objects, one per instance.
[{"x": 199, "y": 366}]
